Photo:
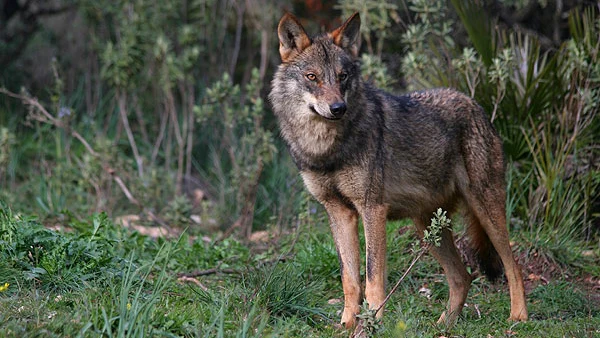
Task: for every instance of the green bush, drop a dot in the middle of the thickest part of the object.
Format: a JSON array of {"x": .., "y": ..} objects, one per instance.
[{"x": 56, "y": 261}]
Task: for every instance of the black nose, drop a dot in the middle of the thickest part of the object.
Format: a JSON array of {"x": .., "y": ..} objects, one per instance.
[{"x": 338, "y": 109}]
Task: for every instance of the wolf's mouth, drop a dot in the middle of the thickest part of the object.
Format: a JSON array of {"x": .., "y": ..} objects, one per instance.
[{"x": 330, "y": 118}]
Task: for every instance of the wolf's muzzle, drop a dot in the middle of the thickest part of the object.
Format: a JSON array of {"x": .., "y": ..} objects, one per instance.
[{"x": 333, "y": 112}]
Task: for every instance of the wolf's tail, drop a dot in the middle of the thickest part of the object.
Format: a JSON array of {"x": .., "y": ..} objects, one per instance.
[{"x": 489, "y": 261}]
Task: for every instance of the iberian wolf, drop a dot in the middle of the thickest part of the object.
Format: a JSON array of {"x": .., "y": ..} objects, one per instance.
[{"x": 364, "y": 152}]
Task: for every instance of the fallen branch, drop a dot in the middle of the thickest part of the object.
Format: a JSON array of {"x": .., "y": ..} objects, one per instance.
[
  {"x": 207, "y": 272},
  {"x": 218, "y": 270}
]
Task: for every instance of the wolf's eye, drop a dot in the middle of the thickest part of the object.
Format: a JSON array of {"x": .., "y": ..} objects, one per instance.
[
  {"x": 343, "y": 76},
  {"x": 311, "y": 77}
]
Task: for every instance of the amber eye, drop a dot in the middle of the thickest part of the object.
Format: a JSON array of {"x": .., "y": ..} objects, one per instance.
[
  {"x": 311, "y": 77},
  {"x": 343, "y": 76}
]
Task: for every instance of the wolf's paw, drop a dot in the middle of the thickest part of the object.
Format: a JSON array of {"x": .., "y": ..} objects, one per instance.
[
  {"x": 349, "y": 317},
  {"x": 447, "y": 320},
  {"x": 520, "y": 316}
]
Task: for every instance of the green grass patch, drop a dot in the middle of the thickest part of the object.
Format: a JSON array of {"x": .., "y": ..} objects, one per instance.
[{"x": 100, "y": 280}]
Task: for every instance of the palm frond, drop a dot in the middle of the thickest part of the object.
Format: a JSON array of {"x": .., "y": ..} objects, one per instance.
[{"x": 479, "y": 27}]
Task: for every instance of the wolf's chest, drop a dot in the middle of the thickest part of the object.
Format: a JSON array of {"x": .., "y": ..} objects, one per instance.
[{"x": 352, "y": 184}]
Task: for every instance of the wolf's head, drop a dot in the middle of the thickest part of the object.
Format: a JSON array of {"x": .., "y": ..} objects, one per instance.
[{"x": 317, "y": 74}]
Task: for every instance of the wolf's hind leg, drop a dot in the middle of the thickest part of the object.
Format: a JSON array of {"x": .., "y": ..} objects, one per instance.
[
  {"x": 489, "y": 209},
  {"x": 344, "y": 226},
  {"x": 485, "y": 196},
  {"x": 459, "y": 280}
]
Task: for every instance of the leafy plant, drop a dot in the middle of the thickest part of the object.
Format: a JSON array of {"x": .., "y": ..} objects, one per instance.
[
  {"x": 369, "y": 325},
  {"x": 55, "y": 261},
  {"x": 433, "y": 234}
]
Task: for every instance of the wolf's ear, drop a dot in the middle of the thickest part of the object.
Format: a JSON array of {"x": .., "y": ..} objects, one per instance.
[
  {"x": 348, "y": 35},
  {"x": 292, "y": 37}
]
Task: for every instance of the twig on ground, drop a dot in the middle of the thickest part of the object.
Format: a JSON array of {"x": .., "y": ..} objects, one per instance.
[
  {"x": 218, "y": 270},
  {"x": 477, "y": 310},
  {"x": 186, "y": 279},
  {"x": 207, "y": 272}
]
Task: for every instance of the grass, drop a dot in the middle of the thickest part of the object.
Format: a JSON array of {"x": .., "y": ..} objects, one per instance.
[{"x": 112, "y": 282}]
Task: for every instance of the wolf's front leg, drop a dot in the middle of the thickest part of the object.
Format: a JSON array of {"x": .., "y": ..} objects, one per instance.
[
  {"x": 374, "y": 219},
  {"x": 344, "y": 226}
]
